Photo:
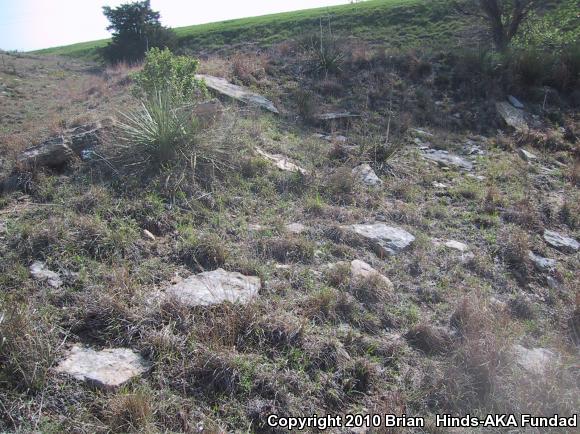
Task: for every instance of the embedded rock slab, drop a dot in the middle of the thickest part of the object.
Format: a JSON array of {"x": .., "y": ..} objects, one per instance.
[
  {"x": 535, "y": 360},
  {"x": 281, "y": 162},
  {"x": 385, "y": 240},
  {"x": 452, "y": 244},
  {"x": 108, "y": 368},
  {"x": 336, "y": 115},
  {"x": 51, "y": 153},
  {"x": 515, "y": 102},
  {"x": 366, "y": 175},
  {"x": 561, "y": 242},
  {"x": 541, "y": 263},
  {"x": 526, "y": 155},
  {"x": 215, "y": 287},
  {"x": 513, "y": 117},
  {"x": 295, "y": 228},
  {"x": 40, "y": 272},
  {"x": 236, "y": 92},
  {"x": 362, "y": 270},
  {"x": 446, "y": 159}
]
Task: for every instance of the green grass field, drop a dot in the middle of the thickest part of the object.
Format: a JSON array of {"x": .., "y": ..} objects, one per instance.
[{"x": 395, "y": 22}]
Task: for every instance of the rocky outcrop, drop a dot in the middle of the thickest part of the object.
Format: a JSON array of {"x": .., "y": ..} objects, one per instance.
[
  {"x": 215, "y": 287},
  {"x": 239, "y": 93},
  {"x": 561, "y": 242},
  {"x": 511, "y": 116},
  {"x": 108, "y": 369},
  {"x": 40, "y": 272},
  {"x": 385, "y": 240},
  {"x": 534, "y": 361},
  {"x": 365, "y": 174},
  {"x": 444, "y": 158},
  {"x": 541, "y": 263}
]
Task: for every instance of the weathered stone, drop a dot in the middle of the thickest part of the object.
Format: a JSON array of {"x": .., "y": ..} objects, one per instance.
[
  {"x": 236, "y": 92},
  {"x": 362, "y": 270},
  {"x": 535, "y": 361},
  {"x": 512, "y": 116},
  {"x": 526, "y": 155},
  {"x": 336, "y": 115},
  {"x": 366, "y": 175},
  {"x": 385, "y": 240},
  {"x": 51, "y": 153},
  {"x": 215, "y": 287},
  {"x": 417, "y": 132},
  {"x": 542, "y": 264},
  {"x": 109, "y": 368},
  {"x": 148, "y": 235},
  {"x": 282, "y": 162},
  {"x": 446, "y": 159},
  {"x": 295, "y": 228},
  {"x": 41, "y": 273},
  {"x": 561, "y": 242},
  {"x": 439, "y": 185},
  {"x": 452, "y": 244},
  {"x": 515, "y": 102}
]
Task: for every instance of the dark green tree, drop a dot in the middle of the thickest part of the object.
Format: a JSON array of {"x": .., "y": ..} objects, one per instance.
[{"x": 136, "y": 28}]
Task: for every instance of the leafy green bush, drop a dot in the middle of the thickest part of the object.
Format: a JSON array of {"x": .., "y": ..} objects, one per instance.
[{"x": 164, "y": 72}]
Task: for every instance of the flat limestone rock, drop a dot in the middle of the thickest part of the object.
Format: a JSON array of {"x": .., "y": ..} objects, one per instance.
[
  {"x": 108, "y": 368},
  {"x": 535, "y": 360},
  {"x": 336, "y": 115},
  {"x": 239, "y": 93},
  {"x": 386, "y": 240},
  {"x": 282, "y": 162},
  {"x": 446, "y": 159},
  {"x": 295, "y": 228},
  {"x": 513, "y": 117},
  {"x": 561, "y": 242},
  {"x": 40, "y": 272},
  {"x": 452, "y": 244},
  {"x": 526, "y": 155},
  {"x": 515, "y": 102},
  {"x": 362, "y": 270},
  {"x": 366, "y": 175},
  {"x": 215, "y": 287},
  {"x": 541, "y": 263}
]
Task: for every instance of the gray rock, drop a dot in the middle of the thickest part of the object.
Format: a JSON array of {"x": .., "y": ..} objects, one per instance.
[
  {"x": 452, "y": 244},
  {"x": 109, "y": 368},
  {"x": 147, "y": 234},
  {"x": 336, "y": 115},
  {"x": 446, "y": 159},
  {"x": 236, "y": 92},
  {"x": 561, "y": 242},
  {"x": 512, "y": 116},
  {"x": 526, "y": 155},
  {"x": 515, "y": 102},
  {"x": 385, "y": 240},
  {"x": 215, "y": 287},
  {"x": 281, "y": 162},
  {"x": 362, "y": 270},
  {"x": 295, "y": 228},
  {"x": 41, "y": 273},
  {"x": 542, "y": 264},
  {"x": 535, "y": 361},
  {"x": 51, "y": 153},
  {"x": 366, "y": 175}
]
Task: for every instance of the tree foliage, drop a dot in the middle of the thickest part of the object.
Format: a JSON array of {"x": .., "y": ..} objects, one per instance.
[{"x": 136, "y": 28}]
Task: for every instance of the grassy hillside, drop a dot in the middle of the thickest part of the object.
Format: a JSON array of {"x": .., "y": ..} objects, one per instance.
[{"x": 396, "y": 22}]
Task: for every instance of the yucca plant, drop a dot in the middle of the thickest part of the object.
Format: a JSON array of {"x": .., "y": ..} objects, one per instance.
[
  {"x": 327, "y": 54},
  {"x": 158, "y": 128}
]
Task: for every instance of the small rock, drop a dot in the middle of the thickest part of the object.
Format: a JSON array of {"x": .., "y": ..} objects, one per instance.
[
  {"x": 362, "y": 270},
  {"x": 526, "y": 156},
  {"x": 215, "y": 287},
  {"x": 256, "y": 228},
  {"x": 452, "y": 244},
  {"x": 336, "y": 115},
  {"x": 422, "y": 133},
  {"x": 515, "y": 102},
  {"x": 561, "y": 242},
  {"x": 439, "y": 185},
  {"x": 446, "y": 159},
  {"x": 386, "y": 240},
  {"x": 535, "y": 361},
  {"x": 295, "y": 228},
  {"x": 366, "y": 175},
  {"x": 149, "y": 235},
  {"x": 542, "y": 264},
  {"x": 108, "y": 368},
  {"x": 553, "y": 283},
  {"x": 40, "y": 272},
  {"x": 477, "y": 177},
  {"x": 282, "y": 162},
  {"x": 512, "y": 116}
]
